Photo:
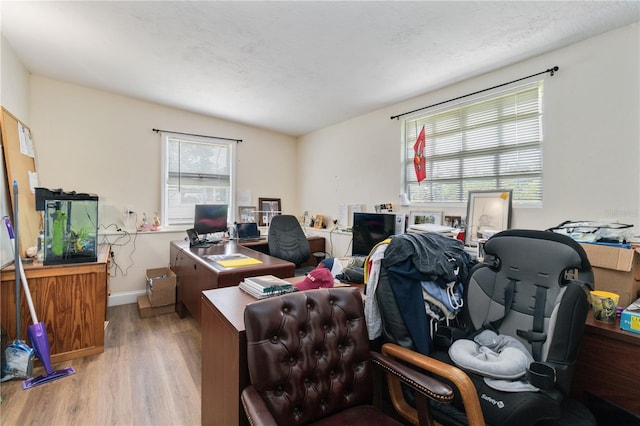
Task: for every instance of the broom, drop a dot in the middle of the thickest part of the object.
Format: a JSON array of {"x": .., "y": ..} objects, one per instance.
[{"x": 37, "y": 332}]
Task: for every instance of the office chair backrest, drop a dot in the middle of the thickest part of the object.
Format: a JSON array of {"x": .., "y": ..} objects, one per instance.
[
  {"x": 308, "y": 353},
  {"x": 287, "y": 240}
]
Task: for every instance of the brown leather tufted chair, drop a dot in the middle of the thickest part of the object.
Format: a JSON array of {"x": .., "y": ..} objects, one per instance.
[{"x": 309, "y": 362}]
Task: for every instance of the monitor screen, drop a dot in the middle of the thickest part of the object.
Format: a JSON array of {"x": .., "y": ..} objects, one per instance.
[
  {"x": 210, "y": 218},
  {"x": 369, "y": 229}
]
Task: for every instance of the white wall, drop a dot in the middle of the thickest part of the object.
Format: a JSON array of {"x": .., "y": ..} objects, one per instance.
[
  {"x": 92, "y": 141},
  {"x": 591, "y": 142},
  {"x": 14, "y": 84}
]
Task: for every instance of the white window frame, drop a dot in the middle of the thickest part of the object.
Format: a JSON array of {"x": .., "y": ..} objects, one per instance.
[
  {"x": 187, "y": 221},
  {"x": 450, "y": 186}
]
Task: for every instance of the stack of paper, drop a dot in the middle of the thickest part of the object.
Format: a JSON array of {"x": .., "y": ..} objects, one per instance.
[
  {"x": 235, "y": 259},
  {"x": 265, "y": 286}
]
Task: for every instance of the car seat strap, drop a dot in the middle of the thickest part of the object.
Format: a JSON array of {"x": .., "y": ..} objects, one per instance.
[
  {"x": 509, "y": 291},
  {"x": 536, "y": 335}
]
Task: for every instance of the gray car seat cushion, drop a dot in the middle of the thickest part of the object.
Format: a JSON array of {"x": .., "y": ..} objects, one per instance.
[{"x": 492, "y": 355}]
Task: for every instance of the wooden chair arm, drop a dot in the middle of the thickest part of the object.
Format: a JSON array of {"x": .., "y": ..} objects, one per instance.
[
  {"x": 458, "y": 377},
  {"x": 255, "y": 408}
]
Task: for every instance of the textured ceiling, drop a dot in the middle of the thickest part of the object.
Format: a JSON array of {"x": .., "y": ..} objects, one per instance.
[{"x": 292, "y": 66}]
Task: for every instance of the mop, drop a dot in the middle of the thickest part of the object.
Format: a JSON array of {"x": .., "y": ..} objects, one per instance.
[{"x": 37, "y": 332}]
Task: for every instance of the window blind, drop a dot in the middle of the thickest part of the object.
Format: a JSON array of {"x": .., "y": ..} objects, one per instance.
[
  {"x": 197, "y": 172},
  {"x": 491, "y": 143}
]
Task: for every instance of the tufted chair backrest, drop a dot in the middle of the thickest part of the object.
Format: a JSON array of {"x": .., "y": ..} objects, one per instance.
[{"x": 308, "y": 353}]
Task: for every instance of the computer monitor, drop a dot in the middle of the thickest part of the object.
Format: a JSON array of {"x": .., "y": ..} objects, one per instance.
[
  {"x": 369, "y": 229},
  {"x": 210, "y": 218}
]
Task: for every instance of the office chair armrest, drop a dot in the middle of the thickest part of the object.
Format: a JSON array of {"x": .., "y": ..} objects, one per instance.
[
  {"x": 255, "y": 408},
  {"x": 430, "y": 387},
  {"x": 426, "y": 388},
  {"x": 449, "y": 372}
]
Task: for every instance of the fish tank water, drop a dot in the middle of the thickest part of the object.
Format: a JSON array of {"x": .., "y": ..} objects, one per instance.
[{"x": 70, "y": 226}]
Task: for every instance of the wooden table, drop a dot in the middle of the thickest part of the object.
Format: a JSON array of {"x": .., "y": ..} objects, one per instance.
[
  {"x": 70, "y": 299},
  {"x": 608, "y": 365},
  {"x": 224, "y": 355},
  {"x": 196, "y": 273}
]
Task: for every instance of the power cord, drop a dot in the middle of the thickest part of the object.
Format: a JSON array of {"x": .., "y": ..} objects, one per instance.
[{"x": 122, "y": 240}]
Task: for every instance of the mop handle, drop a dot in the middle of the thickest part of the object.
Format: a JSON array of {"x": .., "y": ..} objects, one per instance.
[{"x": 23, "y": 277}]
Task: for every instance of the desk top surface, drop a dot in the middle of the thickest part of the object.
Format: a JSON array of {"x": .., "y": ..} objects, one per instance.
[
  {"x": 102, "y": 255},
  {"x": 230, "y": 301},
  {"x": 612, "y": 331},
  {"x": 230, "y": 247}
]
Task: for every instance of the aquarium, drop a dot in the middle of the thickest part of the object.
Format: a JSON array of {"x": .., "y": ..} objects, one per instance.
[{"x": 70, "y": 226}]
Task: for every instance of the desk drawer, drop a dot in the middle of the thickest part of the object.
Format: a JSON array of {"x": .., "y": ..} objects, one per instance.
[{"x": 610, "y": 354}]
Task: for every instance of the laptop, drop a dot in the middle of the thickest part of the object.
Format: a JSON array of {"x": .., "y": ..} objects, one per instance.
[{"x": 248, "y": 232}]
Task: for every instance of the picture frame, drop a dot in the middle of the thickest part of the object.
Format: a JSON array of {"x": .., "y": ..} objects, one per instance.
[
  {"x": 452, "y": 221},
  {"x": 419, "y": 217},
  {"x": 318, "y": 221},
  {"x": 246, "y": 214},
  {"x": 487, "y": 211},
  {"x": 267, "y": 208}
]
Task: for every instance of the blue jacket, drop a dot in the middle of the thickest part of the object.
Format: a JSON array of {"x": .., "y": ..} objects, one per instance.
[{"x": 412, "y": 258}]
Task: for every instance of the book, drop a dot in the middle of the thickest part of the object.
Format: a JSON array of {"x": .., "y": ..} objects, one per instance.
[
  {"x": 263, "y": 282},
  {"x": 272, "y": 291},
  {"x": 266, "y": 285}
]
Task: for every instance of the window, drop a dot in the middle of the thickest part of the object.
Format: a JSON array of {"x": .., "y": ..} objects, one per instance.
[
  {"x": 196, "y": 170},
  {"x": 490, "y": 143}
]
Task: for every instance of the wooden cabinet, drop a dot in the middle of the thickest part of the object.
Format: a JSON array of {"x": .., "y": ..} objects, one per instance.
[
  {"x": 70, "y": 299},
  {"x": 608, "y": 365},
  {"x": 224, "y": 356}
]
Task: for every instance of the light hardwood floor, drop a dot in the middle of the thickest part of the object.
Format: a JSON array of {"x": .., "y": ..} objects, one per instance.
[{"x": 149, "y": 374}]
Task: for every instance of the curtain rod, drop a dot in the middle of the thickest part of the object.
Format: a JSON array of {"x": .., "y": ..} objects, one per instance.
[
  {"x": 193, "y": 134},
  {"x": 551, "y": 72}
]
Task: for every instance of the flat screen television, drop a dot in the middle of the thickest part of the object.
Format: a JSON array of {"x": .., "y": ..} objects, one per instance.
[
  {"x": 210, "y": 218},
  {"x": 369, "y": 229}
]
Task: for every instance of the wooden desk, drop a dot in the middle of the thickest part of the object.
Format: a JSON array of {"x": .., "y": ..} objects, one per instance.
[
  {"x": 224, "y": 355},
  {"x": 608, "y": 365},
  {"x": 195, "y": 273},
  {"x": 70, "y": 299}
]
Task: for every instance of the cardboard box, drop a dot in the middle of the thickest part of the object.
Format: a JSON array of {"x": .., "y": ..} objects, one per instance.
[
  {"x": 615, "y": 269},
  {"x": 145, "y": 310},
  {"x": 161, "y": 286}
]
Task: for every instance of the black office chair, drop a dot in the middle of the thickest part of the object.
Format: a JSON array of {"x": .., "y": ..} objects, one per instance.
[{"x": 287, "y": 241}]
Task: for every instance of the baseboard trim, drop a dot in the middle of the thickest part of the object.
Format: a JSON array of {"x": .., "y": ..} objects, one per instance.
[{"x": 125, "y": 298}]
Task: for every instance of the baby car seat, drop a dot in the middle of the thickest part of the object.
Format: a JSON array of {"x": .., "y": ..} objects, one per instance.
[{"x": 522, "y": 320}]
